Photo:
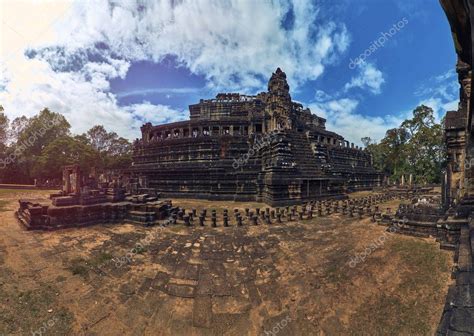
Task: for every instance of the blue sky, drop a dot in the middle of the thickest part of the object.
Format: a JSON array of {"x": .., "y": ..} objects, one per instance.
[{"x": 121, "y": 64}]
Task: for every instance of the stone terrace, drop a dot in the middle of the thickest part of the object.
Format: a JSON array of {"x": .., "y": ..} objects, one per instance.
[{"x": 213, "y": 281}]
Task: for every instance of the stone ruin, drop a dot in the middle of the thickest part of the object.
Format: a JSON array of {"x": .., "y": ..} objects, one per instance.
[
  {"x": 84, "y": 201},
  {"x": 264, "y": 148},
  {"x": 450, "y": 218},
  {"x": 87, "y": 200}
]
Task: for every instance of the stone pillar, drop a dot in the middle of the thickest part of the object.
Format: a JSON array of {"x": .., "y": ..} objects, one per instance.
[
  {"x": 67, "y": 182},
  {"x": 465, "y": 76}
]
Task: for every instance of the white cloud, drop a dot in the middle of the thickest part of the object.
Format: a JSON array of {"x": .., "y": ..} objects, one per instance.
[
  {"x": 156, "y": 114},
  {"x": 232, "y": 43},
  {"x": 343, "y": 119},
  {"x": 451, "y": 105},
  {"x": 81, "y": 97},
  {"x": 438, "y": 92},
  {"x": 168, "y": 91},
  {"x": 369, "y": 78},
  {"x": 441, "y": 93},
  {"x": 76, "y": 48}
]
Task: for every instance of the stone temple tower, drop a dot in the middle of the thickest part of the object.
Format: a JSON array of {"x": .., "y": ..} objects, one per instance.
[
  {"x": 278, "y": 86},
  {"x": 279, "y": 105}
]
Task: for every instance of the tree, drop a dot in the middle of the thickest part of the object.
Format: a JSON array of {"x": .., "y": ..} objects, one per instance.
[
  {"x": 422, "y": 117},
  {"x": 366, "y": 141},
  {"x": 17, "y": 126},
  {"x": 63, "y": 151},
  {"x": 4, "y": 122},
  {"x": 115, "y": 152},
  {"x": 416, "y": 147},
  {"x": 41, "y": 145},
  {"x": 41, "y": 130}
]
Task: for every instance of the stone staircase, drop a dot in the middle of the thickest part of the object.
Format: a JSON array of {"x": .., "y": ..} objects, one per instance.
[{"x": 303, "y": 155}]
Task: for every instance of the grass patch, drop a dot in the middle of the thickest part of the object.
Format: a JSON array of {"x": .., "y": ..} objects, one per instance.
[
  {"x": 390, "y": 315},
  {"x": 25, "y": 311},
  {"x": 100, "y": 259},
  {"x": 139, "y": 249},
  {"x": 336, "y": 269},
  {"x": 407, "y": 309},
  {"x": 10, "y": 191},
  {"x": 60, "y": 278},
  {"x": 336, "y": 273},
  {"x": 80, "y": 266},
  {"x": 3, "y": 205}
]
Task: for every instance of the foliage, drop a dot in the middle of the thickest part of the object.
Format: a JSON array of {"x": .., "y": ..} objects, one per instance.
[
  {"x": 17, "y": 127},
  {"x": 416, "y": 147},
  {"x": 61, "y": 152},
  {"x": 114, "y": 151},
  {"x": 38, "y": 147},
  {"x": 41, "y": 130},
  {"x": 3, "y": 127}
]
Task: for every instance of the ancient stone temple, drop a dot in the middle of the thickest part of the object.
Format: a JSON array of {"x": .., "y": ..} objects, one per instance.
[
  {"x": 458, "y": 189},
  {"x": 458, "y": 125},
  {"x": 265, "y": 147}
]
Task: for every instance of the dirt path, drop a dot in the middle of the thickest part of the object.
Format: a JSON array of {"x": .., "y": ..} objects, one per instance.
[{"x": 293, "y": 278}]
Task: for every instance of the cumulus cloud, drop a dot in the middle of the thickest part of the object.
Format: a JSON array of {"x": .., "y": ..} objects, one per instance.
[
  {"x": 343, "y": 118},
  {"x": 63, "y": 54},
  {"x": 82, "y": 97},
  {"x": 232, "y": 43},
  {"x": 369, "y": 77},
  {"x": 156, "y": 114}
]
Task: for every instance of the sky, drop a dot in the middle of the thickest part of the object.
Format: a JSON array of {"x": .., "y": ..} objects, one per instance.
[{"x": 122, "y": 63}]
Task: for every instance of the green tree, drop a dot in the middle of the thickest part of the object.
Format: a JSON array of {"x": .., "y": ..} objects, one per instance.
[
  {"x": 17, "y": 126},
  {"x": 41, "y": 130},
  {"x": 416, "y": 147},
  {"x": 34, "y": 135},
  {"x": 63, "y": 151},
  {"x": 4, "y": 122},
  {"x": 115, "y": 152}
]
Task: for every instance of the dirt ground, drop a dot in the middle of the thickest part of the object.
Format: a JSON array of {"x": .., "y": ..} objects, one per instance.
[{"x": 308, "y": 278}]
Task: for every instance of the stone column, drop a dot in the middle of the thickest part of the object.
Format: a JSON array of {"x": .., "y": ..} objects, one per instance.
[
  {"x": 465, "y": 78},
  {"x": 67, "y": 181}
]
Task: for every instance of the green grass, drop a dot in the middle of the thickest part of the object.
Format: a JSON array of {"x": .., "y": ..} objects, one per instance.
[
  {"x": 99, "y": 259},
  {"x": 19, "y": 191},
  {"x": 140, "y": 249},
  {"x": 78, "y": 266},
  {"x": 404, "y": 310},
  {"x": 81, "y": 266},
  {"x": 25, "y": 311}
]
